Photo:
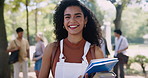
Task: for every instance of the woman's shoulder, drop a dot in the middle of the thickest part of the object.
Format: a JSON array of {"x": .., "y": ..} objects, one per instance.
[
  {"x": 50, "y": 46},
  {"x": 53, "y": 44},
  {"x": 49, "y": 50},
  {"x": 95, "y": 47},
  {"x": 97, "y": 50}
]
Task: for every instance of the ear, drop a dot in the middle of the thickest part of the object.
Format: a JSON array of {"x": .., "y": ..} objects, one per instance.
[{"x": 85, "y": 20}]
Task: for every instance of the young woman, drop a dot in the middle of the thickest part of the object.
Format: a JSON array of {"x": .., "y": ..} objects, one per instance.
[
  {"x": 76, "y": 31},
  {"x": 37, "y": 57}
]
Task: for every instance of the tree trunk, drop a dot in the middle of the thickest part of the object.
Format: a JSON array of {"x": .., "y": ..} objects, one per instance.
[
  {"x": 27, "y": 21},
  {"x": 117, "y": 21},
  {"x": 143, "y": 69},
  {"x": 4, "y": 67}
]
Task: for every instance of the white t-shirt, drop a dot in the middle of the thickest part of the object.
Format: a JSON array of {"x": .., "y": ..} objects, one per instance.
[{"x": 120, "y": 44}]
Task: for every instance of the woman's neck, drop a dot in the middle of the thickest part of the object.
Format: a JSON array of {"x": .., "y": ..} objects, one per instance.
[{"x": 75, "y": 38}]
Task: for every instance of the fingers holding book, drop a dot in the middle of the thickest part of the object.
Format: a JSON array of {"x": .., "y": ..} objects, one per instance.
[{"x": 85, "y": 76}]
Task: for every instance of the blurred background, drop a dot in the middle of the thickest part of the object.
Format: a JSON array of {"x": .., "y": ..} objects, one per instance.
[{"x": 131, "y": 16}]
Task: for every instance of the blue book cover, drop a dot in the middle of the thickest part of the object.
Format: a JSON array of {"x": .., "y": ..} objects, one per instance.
[{"x": 101, "y": 65}]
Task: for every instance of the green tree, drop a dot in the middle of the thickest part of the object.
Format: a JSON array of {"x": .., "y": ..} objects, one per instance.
[
  {"x": 120, "y": 6},
  {"x": 130, "y": 61},
  {"x": 15, "y": 6},
  {"x": 119, "y": 9},
  {"x": 44, "y": 19},
  {"x": 142, "y": 60},
  {"x": 92, "y": 4},
  {"x": 134, "y": 20},
  {"x": 37, "y": 4},
  {"x": 4, "y": 67},
  {"x": 27, "y": 19},
  {"x": 45, "y": 16}
]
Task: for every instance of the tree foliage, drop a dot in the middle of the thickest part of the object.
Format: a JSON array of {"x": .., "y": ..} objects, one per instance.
[
  {"x": 134, "y": 20},
  {"x": 17, "y": 18},
  {"x": 130, "y": 61},
  {"x": 120, "y": 6},
  {"x": 45, "y": 9},
  {"x": 91, "y": 4},
  {"x": 142, "y": 60}
]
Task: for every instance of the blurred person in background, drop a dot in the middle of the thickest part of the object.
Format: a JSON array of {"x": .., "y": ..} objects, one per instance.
[
  {"x": 121, "y": 45},
  {"x": 37, "y": 56},
  {"x": 23, "y": 46},
  {"x": 104, "y": 48}
]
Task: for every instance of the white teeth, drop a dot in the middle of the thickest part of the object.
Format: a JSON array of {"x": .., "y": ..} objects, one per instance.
[{"x": 74, "y": 26}]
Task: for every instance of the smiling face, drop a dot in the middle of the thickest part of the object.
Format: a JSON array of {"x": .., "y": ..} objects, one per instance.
[{"x": 74, "y": 20}]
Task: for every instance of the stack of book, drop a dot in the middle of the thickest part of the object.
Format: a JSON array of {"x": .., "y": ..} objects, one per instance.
[
  {"x": 105, "y": 75},
  {"x": 101, "y": 65}
]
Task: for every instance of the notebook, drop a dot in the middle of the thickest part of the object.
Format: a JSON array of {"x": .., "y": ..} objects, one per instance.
[{"x": 101, "y": 65}]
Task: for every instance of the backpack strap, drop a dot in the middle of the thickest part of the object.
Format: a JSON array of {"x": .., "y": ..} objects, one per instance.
[
  {"x": 56, "y": 45},
  {"x": 15, "y": 43},
  {"x": 120, "y": 43}
]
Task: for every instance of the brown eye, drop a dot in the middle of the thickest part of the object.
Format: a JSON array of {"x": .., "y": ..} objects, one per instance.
[
  {"x": 67, "y": 17},
  {"x": 78, "y": 16}
]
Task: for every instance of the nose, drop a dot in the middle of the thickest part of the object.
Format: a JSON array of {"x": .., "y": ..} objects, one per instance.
[{"x": 72, "y": 20}]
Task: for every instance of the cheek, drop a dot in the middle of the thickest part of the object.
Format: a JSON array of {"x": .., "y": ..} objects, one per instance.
[
  {"x": 20, "y": 34},
  {"x": 82, "y": 22},
  {"x": 65, "y": 22}
]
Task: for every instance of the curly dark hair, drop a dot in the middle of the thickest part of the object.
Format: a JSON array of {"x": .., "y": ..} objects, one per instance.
[{"x": 92, "y": 31}]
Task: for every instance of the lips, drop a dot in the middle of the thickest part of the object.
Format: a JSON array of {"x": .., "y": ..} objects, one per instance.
[{"x": 73, "y": 26}]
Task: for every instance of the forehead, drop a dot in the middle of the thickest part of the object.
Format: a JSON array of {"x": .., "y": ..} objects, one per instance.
[
  {"x": 73, "y": 10},
  {"x": 115, "y": 33},
  {"x": 20, "y": 32}
]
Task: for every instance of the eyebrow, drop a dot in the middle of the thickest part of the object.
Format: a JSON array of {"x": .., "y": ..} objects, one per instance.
[{"x": 74, "y": 14}]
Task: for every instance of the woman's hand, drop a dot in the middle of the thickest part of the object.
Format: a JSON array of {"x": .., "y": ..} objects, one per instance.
[
  {"x": 34, "y": 59},
  {"x": 119, "y": 51},
  {"x": 85, "y": 76}
]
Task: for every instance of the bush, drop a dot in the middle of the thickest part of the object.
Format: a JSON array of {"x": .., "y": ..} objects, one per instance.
[{"x": 142, "y": 60}]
